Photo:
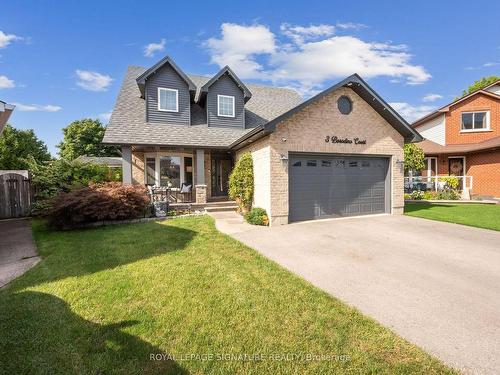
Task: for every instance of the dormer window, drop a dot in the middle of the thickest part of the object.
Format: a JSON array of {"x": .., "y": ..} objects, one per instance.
[
  {"x": 225, "y": 106},
  {"x": 168, "y": 100}
]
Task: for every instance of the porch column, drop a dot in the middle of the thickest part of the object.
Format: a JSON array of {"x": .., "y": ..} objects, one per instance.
[
  {"x": 201, "y": 186},
  {"x": 127, "y": 164}
]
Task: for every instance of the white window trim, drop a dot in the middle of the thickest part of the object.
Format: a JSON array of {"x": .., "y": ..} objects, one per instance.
[
  {"x": 487, "y": 129},
  {"x": 156, "y": 156},
  {"x": 176, "y": 100},
  {"x": 218, "y": 107}
]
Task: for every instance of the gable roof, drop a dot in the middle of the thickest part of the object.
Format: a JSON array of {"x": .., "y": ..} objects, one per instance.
[
  {"x": 128, "y": 125},
  {"x": 433, "y": 148},
  {"x": 447, "y": 107},
  {"x": 226, "y": 70},
  {"x": 141, "y": 80},
  {"x": 5, "y": 112},
  {"x": 360, "y": 87}
]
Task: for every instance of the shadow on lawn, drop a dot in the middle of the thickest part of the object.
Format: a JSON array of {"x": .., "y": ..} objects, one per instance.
[
  {"x": 82, "y": 252},
  {"x": 40, "y": 334}
]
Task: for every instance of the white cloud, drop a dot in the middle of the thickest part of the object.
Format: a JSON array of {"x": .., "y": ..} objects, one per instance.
[
  {"x": 299, "y": 34},
  {"x": 411, "y": 112},
  {"x": 6, "y": 83},
  {"x": 6, "y": 39},
  {"x": 351, "y": 25},
  {"x": 238, "y": 47},
  {"x": 37, "y": 107},
  {"x": 93, "y": 81},
  {"x": 315, "y": 56},
  {"x": 104, "y": 117},
  {"x": 431, "y": 97},
  {"x": 151, "y": 48}
]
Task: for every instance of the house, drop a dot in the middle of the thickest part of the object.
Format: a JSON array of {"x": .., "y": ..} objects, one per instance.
[
  {"x": 463, "y": 139},
  {"x": 340, "y": 153},
  {"x": 5, "y": 112},
  {"x": 110, "y": 161}
]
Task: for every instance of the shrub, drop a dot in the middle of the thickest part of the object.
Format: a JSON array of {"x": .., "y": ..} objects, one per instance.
[
  {"x": 451, "y": 195},
  {"x": 257, "y": 216},
  {"x": 407, "y": 196},
  {"x": 451, "y": 182},
  {"x": 98, "y": 202},
  {"x": 429, "y": 195},
  {"x": 241, "y": 182},
  {"x": 48, "y": 179},
  {"x": 417, "y": 195}
]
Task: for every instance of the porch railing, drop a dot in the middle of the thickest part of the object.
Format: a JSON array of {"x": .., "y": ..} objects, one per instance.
[
  {"x": 435, "y": 183},
  {"x": 171, "y": 195}
]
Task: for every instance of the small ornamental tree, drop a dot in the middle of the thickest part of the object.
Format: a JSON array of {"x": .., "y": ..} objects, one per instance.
[
  {"x": 413, "y": 158},
  {"x": 241, "y": 182}
]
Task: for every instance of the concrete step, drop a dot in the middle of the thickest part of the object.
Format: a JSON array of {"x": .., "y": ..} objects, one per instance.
[
  {"x": 220, "y": 204},
  {"x": 221, "y": 208}
]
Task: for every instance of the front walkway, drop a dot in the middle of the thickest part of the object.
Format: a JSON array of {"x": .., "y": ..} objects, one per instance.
[
  {"x": 434, "y": 283},
  {"x": 17, "y": 249}
]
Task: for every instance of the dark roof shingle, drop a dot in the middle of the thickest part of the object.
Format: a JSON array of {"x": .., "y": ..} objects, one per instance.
[{"x": 128, "y": 121}]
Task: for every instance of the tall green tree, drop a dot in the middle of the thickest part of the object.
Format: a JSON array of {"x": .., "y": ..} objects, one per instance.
[
  {"x": 17, "y": 146},
  {"x": 480, "y": 84},
  {"x": 413, "y": 158},
  {"x": 84, "y": 137}
]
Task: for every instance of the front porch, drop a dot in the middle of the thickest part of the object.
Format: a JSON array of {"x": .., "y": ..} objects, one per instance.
[{"x": 179, "y": 175}]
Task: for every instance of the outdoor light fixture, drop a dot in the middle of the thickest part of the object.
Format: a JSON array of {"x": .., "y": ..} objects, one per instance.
[{"x": 283, "y": 157}]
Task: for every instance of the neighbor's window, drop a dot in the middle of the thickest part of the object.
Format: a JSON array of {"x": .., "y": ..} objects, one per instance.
[
  {"x": 168, "y": 100},
  {"x": 475, "y": 121},
  {"x": 225, "y": 106}
]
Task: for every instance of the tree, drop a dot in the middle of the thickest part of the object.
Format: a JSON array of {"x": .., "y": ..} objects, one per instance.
[
  {"x": 17, "y": 146},
  {"x": 84, "y": 137},
  {"x": 413, "y": 157},
  {"x": 480, "y": 84}
]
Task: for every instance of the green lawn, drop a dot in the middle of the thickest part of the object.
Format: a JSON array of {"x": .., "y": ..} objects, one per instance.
[
  {"x": 103, "y": 300},
  {"x": 476, "y": 215}
]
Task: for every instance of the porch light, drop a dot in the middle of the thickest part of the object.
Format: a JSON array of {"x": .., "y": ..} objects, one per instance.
[
  {"x": 401, "y": 162},
  {"x": 283, "y": 157}
]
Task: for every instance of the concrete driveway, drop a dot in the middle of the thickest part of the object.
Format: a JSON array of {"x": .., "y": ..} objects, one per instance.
[
  {"x": 436, "y": 284},
  {"x": 17, "y": 249}
]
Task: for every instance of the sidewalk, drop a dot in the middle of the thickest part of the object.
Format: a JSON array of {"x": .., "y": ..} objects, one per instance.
[{"x": 17, "y": 249}]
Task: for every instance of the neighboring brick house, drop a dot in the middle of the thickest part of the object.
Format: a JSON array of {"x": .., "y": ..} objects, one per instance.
[
  {"x": 463, "y": 138},
  {"x": 339, "y": 153}
]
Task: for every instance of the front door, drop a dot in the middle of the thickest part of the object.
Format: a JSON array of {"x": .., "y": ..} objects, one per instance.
[
  {"x": 221, "y": 169},
  {"x": 456, "y": 168}
]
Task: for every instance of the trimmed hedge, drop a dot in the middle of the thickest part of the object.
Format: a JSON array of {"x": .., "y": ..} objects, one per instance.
[
  {"x": 241, "y": 182},
  {"x": 98, "y": 202},
  {"x": 257, "y": 216}
]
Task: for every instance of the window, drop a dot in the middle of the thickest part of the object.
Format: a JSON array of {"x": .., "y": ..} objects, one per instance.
[
  {"x": 225, "y": 106},
  {"x": 326, "y": 163},
  {"x": 150, "y": 171},
  {"x": 168, "y": 100},
  {"x": 353, "y": 164},
  {"x": 311, "y": 163},
  {"x": 475, "y": 121},
  {"x": 344, "y": 105},
  {"x": 297, "y": 164},
  {"x": 170, "y": 171}
]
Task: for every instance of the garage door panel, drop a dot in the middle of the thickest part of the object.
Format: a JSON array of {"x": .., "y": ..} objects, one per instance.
[{"x": 331, "y": 186}]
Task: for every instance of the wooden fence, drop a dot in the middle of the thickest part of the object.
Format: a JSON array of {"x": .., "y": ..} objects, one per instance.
[{"x": 15, "y": 195}]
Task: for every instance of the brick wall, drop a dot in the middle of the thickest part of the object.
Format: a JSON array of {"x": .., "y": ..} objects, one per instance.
[
  {"x": 306, "y": 131},
  {"x": 485, "y": 169},
  {"x": 477, "y": 102}
]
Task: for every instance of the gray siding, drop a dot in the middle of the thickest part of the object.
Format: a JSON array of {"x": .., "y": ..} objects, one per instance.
[
  {"x": 166, "y": 77},
  {"x": 225, "y": 86}
]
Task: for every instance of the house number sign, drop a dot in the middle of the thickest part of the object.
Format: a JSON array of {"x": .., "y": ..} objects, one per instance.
[{"x": 335, "y": 139}]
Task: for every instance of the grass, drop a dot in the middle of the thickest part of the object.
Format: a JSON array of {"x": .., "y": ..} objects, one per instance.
[
  {"x": 102, "y": 301},
  {"x": 475, "y": 215}
]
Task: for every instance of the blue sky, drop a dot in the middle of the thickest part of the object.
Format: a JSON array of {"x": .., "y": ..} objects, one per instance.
[{"x": 65, "y": 60}]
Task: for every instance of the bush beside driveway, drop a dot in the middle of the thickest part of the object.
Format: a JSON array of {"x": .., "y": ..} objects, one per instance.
[{"x": 104, "y": 300}]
